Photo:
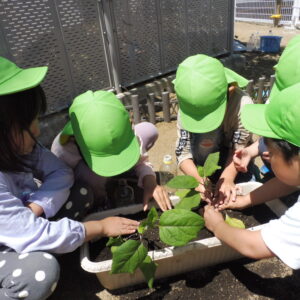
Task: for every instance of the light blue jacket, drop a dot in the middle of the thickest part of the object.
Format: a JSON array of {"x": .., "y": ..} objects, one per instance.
[{"x": 20, "y": 229}]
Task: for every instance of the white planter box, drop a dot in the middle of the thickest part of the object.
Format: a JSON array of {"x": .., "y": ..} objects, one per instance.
[{"x": 170, "y": 260}]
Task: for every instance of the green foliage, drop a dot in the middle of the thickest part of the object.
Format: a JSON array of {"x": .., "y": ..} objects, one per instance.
[
  {"x": 189, "y": 199},
  {"x": 178, "y": 226},
  {"x": 117, "y": 241},
  {"x": 234, "y": 222},
  {"x": 128, "y": 257},
  {"x": 183, "y": 182},
  {"x": 152, "y": 217},
  {"x": 148, "y": 268},
  {"x": 211, "y": 164}
]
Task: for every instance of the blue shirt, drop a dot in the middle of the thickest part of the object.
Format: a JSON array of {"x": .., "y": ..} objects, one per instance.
[{"x": 20, "y": 228}]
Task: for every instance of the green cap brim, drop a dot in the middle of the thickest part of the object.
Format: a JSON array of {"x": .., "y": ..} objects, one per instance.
[
  {"x": 24, "y": 80},
  {"x": 210, "y": 122},
  {"x": 112, "y": 165},
  {"x": 232, "y": 77},
  {"x": 253, "y": 119},
  {"x": 67, "y": 130}
]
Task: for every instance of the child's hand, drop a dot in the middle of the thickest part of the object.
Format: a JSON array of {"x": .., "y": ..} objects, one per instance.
[
  {"x": 225, "y": 191},
  {"x": 212, "y": 217},
  {"x": 115, "y": 226},
  {"x": 241, "y": 159},
  {"x": 266, "y": 156},
  {"x": 240, "y": 202},
  {"x": 205, "y": 190},
  {"x": 36, "y": 209},
  {"x": 160, "y": 195}
]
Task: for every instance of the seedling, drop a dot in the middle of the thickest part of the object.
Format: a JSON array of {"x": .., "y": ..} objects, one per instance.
[
  {"x": 176, "y": 227},
  {"x": 186, "y": 187},
  {"x": 187, "y": 184}
]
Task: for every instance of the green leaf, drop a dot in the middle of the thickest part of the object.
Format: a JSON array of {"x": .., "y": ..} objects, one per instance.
[
  {"x": 234, "y": 222},
  {"x": 148, "y": 268},
  {"x": 183, "y": 182},
  {"x": 211, "y": 164},
  {"x": 200, "y": 171},
  {"x": 178, "y": 226},
  {"x": 117, "y": 241},
  {"x": 189, "y": 199},
  {"x": 128, "y": 257},
  {"x": 142, "y": 227},
  {"x": 152, "y": 217},
  {"x": 114, "y": 248}
]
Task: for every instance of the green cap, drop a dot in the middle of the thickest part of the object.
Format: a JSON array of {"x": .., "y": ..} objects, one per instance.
[
  {"x": 201, "y": 86},
  {"x": 279, "y": 119},
  {"x": 295, "y": 40},
  {"x": 14, "y": 79},
  {"x": 103, "y": 132},
  {"x": 287, "y": 70}
]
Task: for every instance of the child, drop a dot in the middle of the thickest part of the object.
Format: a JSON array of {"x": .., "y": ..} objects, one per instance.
[
  {"x": 99, "y": 143},
  {"x": 287, "y": 74},
  {"x": 27, "y": 236},
  {"x": 279, "y": 123},
  {"x": 208, "y": 119}
]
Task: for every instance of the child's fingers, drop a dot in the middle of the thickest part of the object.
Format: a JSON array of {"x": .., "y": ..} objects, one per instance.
[
  {"x": 130, "y": 222},
  {"x": 232, "y": 194}
]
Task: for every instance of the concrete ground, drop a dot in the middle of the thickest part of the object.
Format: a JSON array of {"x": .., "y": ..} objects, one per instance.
[{"x": 243, "y": 31}]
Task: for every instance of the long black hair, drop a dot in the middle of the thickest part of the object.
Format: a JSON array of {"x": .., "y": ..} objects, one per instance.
[
  {"x": 17, "y": 111},
  {"x": 287, "y": 149}
]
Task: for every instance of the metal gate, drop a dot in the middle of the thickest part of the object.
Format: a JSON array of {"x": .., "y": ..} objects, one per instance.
[
  {"x": 66, "y": 35},
  {"x": 153, "y": 36},
  {"x": 261, "y": 11},
  {"x": 110, "y": 44}
]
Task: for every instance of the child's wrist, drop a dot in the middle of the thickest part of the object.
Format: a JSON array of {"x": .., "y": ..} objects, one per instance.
[{"x": 218, "y": 227}]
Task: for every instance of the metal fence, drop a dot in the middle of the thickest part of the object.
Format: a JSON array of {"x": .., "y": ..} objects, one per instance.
[
  {"x": 109, "y": 44},
  {"x": 261, "y": 11}
]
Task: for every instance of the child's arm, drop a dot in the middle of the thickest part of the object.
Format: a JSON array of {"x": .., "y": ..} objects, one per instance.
[
  {"x": 111, "y": 226},
  {"x": 270, "y": 190},
  {"x": 189, "y": 168},
  {"x": 248, "y": 243},
  {"x": 24, "y": 232},
  {"x": 56, "y": 178}
]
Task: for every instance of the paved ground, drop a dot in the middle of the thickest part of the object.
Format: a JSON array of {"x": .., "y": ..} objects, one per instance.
[{"x": 243, "y": 31}]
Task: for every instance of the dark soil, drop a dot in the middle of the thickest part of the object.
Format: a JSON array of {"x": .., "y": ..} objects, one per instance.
[
  {"x": 251, "y": 217},
  {"x": 259, "y": 64}
]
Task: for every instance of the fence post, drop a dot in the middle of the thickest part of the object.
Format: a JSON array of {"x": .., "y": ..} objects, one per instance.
[
  {"x": 250, "y": 88},
  {"x": 261, "y": 83},
  {"x": 166, "y": 106},
  {"x": 272, "y": 80},
  {"x": 296, "y": 13},
  {"x": 136, "y": 109},
  {"x": 151, "y": 108}
]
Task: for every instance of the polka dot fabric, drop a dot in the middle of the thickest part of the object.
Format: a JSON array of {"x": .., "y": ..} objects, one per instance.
[{"x": 31, "y": 276}]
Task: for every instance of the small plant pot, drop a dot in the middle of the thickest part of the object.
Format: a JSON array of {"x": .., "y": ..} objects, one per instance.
[{"x": 171, "y": 260}]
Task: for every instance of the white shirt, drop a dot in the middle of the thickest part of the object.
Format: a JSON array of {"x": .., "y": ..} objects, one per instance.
[{"x": 282, "y": 236}]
